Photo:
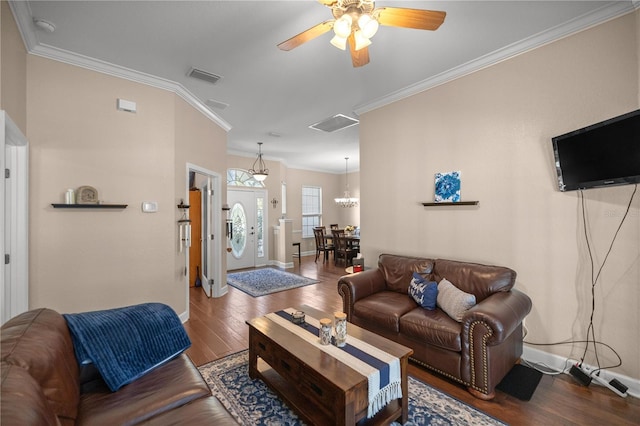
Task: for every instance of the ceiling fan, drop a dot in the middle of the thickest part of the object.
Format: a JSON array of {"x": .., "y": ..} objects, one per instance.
[{"x": 356, "y": 21}]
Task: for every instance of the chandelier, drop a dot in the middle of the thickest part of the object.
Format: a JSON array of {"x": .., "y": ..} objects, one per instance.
[
  {"x": 353, "y": 17},
  {"x": 261, "y": 173},
  {"x": 346, "y": 200}
]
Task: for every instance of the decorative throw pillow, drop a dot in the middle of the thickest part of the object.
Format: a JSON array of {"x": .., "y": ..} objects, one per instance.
[
  {"x": 424, "y": 292},
  {"x": 454, "y": 301},
  {"x": 418, "y": 278}
]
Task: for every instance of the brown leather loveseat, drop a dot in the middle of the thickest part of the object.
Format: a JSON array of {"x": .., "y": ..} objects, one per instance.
[
  {"x": 478, "y": 351},
  {"x": 41, "y": 384}
]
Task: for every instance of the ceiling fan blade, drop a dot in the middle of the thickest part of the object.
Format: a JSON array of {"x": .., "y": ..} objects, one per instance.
[
  {"x": 410, "y": 18},
  {"x": 360, "y": 57},
  {"x": 307, "y": 35}
]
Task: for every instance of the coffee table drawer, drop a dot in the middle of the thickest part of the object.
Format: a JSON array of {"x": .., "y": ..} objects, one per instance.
[
  {"x": 318, "y": 390},
  {"x": 279, "y": 359}
]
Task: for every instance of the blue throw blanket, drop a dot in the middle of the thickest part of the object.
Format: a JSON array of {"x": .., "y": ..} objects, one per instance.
[{"x": 126, "y": 343}]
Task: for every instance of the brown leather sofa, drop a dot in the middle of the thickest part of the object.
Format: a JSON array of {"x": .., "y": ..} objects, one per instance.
[
  {"x": 41, "y": 384},
  {"x": 477, "y": 352}
]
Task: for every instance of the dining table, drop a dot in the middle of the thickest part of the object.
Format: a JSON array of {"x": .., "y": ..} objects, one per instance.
[{"x": 353, "y": 241}]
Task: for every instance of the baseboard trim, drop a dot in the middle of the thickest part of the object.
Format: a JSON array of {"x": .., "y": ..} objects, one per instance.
[
  {"x": 560, "y": 363},
  {"x": 283, "y": 265}
]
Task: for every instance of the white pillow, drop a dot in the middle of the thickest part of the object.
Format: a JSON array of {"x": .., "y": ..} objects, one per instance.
[{"x": 454, "y": 301}]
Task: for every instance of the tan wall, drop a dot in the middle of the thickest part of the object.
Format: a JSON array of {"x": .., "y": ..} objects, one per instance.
[
  {"x": 13, "y": 69},
  {"x": 496, "y": 127},
  {"x": 200, "y": 142},
  {"x": 94, "y": 259}
]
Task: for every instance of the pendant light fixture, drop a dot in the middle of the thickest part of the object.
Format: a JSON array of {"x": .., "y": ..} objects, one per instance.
[
  {"x": 346, "y": 200},
  {"x": 261, "y": 173}
]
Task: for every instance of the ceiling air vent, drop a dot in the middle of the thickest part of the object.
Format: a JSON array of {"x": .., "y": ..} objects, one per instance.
[
  {"x": 337, "y": 122},
  {"x": 204, "y": 75},
  {"x": 216, "y": 104}
]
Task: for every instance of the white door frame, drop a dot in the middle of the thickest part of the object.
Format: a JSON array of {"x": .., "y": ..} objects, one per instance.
[
  {"x": 14, "y": 220},
  {"x": 262, "y": 193},
  {"x": 218, "y": 288}
]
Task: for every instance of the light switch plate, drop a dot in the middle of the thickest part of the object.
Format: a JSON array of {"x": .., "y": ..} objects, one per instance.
[
  {"x": 125, "y": 105},
  {"x": 149, "y": 206}
]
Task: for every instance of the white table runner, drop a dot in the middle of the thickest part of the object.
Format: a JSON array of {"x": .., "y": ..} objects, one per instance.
[{"x": 381, "y": 369}]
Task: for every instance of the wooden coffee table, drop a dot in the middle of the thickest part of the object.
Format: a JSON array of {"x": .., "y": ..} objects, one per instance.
[{"x": 318, "y": 387}]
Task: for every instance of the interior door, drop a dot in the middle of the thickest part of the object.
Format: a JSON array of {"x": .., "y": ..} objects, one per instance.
[
  {"x": 248, "y": 239},
  {"x": 207, "y": 237},
  {"x": 14, "y": 220},
  {"x": 210, "y": 255}
]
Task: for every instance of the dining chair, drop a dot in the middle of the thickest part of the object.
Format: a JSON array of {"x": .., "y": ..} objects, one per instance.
[
  {"x": 321, "y": 245},
  {"x": 334, "y": 226},
  {"x": 342, "y": 248}
]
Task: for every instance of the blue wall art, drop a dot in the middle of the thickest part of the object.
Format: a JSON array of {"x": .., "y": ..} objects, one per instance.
[{"x": 448, "y": 187}]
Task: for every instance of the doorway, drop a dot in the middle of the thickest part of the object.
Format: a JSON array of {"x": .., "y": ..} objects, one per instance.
[
  {"x": 248, "y": 242},
  {"x": 205, "y": 186},
  {"x": 14, "y": 217}
]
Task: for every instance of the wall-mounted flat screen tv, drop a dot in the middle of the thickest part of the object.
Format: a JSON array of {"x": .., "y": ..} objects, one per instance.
[{"x": 603, "y": 154}]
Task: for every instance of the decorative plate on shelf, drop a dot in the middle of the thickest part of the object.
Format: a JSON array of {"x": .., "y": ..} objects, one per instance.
[{"x": 87, "y": 195}]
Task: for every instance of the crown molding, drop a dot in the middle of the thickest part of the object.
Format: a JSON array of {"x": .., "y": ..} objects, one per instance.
[
  {"x": 23, "y": 17},
  {"x": 588, "y": 20},
  {"x": 22, "y": 14}
]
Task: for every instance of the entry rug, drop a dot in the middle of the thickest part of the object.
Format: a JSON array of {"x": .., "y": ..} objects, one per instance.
[
  {"x": 260, "y": 282},
  {"x": 251, "y": 402}
]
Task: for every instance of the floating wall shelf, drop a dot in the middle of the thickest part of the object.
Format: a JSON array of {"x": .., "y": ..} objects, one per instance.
[
  {"x": 459, "y": 203},
  {"x": 89, "y": 206}
]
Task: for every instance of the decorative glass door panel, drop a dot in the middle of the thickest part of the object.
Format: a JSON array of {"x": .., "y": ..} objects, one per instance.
[
  {"x": 239, "y": 227},
  {"x": 260, "y": 225}
]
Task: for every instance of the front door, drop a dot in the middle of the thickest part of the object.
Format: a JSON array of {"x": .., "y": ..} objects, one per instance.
[{"x": 248, "y": 235}]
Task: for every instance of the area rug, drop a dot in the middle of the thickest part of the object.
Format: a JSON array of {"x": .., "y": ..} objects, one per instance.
[
  {"x": 521, "y": 382},
  {"x": 251, "y": 402},
  {"x": 260, "y": 282}
]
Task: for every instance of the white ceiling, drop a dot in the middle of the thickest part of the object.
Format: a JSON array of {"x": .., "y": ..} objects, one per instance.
[{"x": 269, "y": 90}]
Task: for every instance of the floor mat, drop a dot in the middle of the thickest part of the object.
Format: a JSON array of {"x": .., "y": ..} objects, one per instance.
[
  {"x": 521, "y": 382},
  {"x": 259, "y": 282}
]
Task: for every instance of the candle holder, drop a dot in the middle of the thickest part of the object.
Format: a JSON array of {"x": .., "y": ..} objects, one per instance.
[
  {"x": 297, "y": 317},
  {"x": 325, "y": 331},
  {"x": 340, "y": 324}
]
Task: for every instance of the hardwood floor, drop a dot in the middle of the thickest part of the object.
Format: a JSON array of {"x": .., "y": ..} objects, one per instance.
[{"x": 217, "y": 328}]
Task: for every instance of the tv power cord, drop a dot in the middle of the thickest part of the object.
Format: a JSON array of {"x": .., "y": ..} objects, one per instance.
[
  {"x": 582, "y": 373},
  {"x": 585, "y": 378}
]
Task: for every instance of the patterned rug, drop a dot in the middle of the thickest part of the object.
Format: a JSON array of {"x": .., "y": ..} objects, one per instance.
[
  {"x": 251, "y": 402},
  {"x": 260, "y": 282}
]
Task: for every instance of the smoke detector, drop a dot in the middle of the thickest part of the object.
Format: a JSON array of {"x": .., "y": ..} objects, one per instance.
[{"x": 44, "y": 25}]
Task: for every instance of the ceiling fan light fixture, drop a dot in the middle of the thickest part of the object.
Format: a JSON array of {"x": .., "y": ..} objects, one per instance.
[
  {"x": 361, "y": 40},
  {"x": 339, "y": 42},
  {"x": 261, "y": 172},
  {"x": 368, "y": 25},
  {"x": 342, "y": 26}
]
